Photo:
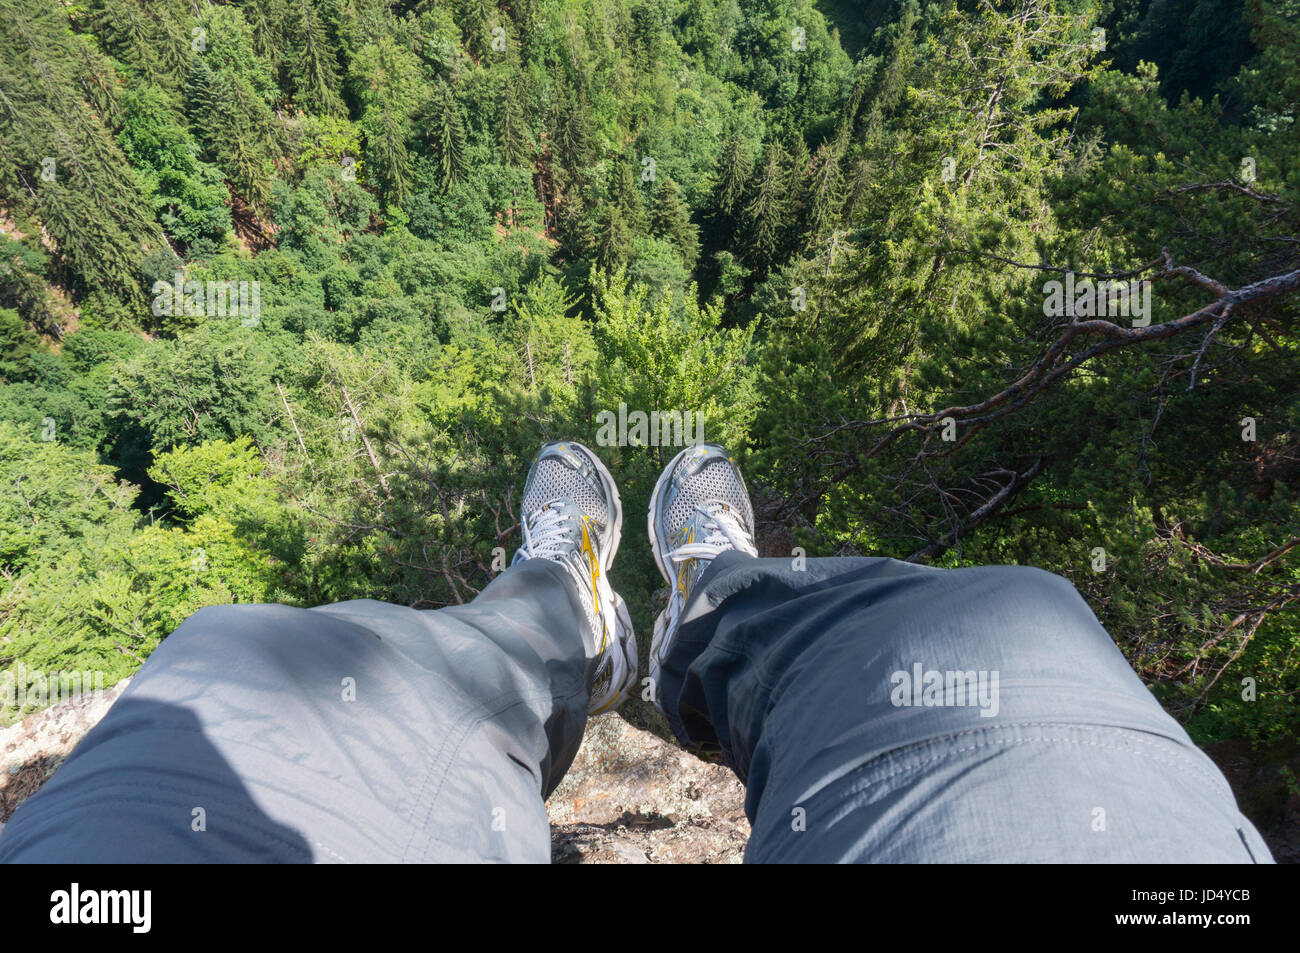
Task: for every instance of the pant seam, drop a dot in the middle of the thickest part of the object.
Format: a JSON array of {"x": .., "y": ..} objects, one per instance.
[
  {"x": 456, "y": 739},
  {"x": 1179, "y": 765}
]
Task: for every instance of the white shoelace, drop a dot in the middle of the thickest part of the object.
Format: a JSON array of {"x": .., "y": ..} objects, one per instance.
[
  {"x": 548, "y": 535},
  {"x": 724, "y": 532}
]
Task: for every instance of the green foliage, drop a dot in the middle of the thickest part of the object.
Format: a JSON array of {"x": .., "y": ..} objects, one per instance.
[
  {"x": 445, "y": 132},
  {"x": 227, "y": 98},
  {"x": 59, "y": 163},
  {"x": 387, "y": 83},
  {"x": 211, "y": 384},
  {"x": 705, "y": 207},
  {"x": 89, "y": 586},
  {"x": 674, "y": 355},
  {"x": 313, "y": 68},
  {"x": 188, "y": 194}
]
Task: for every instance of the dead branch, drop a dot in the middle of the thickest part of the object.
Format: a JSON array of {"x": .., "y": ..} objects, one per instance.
[
  {"x": 1016, "y": 482},
  {"x": 1054, "y": 363},
  {"x": 370, "y": 451},
  {"x": 298, "y": 432}
]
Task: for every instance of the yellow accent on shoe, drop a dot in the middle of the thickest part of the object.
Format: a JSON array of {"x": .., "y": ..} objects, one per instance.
[{"x": 594, "y": 563}]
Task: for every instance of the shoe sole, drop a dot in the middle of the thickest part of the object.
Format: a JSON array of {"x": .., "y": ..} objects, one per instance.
[{"x": 622, "y": 620}]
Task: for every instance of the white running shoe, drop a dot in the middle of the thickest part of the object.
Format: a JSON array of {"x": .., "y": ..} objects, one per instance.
[
  {"x": 699, "y": 508},
  {"x": 572, "y": 515}
]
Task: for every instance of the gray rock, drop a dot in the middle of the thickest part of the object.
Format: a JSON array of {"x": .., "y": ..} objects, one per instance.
[
  {"x": 33, "y": 748},
  {"x": 631, "y": 797}
]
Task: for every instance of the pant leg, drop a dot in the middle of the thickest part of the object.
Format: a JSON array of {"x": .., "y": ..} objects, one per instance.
[
  {"x": 356, "y": 732},
  {"x": 804, "y": 682}
]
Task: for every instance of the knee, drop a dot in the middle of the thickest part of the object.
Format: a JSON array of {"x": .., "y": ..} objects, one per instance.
[
  {"x": 237, "y": 628},
  {"x": 1038, "y": 607},
  {"x": 1032, "y": 584}
]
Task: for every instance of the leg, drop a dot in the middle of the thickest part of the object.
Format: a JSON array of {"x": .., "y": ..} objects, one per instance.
[
  {"x": 362, "y": 731},
  {"x": 355, "y": 732},
  {"x": 804, "y": 682},
  {"x": 883, "y": 711}
]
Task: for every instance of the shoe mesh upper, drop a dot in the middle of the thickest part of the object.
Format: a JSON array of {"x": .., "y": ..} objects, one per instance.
[
  {"x": 716, "y": 480},
  {"x": 553, "y": 479}
]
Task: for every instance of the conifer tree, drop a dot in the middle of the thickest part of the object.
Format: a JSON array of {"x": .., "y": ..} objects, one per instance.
[
  {"x": 571, "y": 129},
  {"x": 236, "y": 127},
  {"x": 766, "y": 212},
  {"x": 573, "y": 225},
  {"x": 731, "y": 177},
  {"x": 516, "y": 137},
  {"x": 386, "y": 79},
  {"x": 670, "y": 218},
  {"x": 626, "y": 195},
  {"x": 313, "y": 62},
  {"x": 613, "y": 240},
  {"x": 725, "y": 204},
  {"x": 822, "y": 195},
  {"x": 59, "y": 163},
  {"x": 445, "y": 131},
  {"x": 153, "y": 39}
]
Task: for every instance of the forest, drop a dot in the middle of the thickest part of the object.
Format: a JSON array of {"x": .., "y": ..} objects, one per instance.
[{"x": 291, "y": 291}]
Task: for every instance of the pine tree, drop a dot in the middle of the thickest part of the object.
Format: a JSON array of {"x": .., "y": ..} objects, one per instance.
[
  {"x": 670, "y": 218},
  {"x": 731, "y": 177},
  {"x": 386, "y": 153},
  {"x": 475, "y": 20},
  {"x": 624, "y": 193},
  {"x": 269, "y": 20},
  {"x": 96, "y": 79},
  {"x": 571, "y": 128},
  {"x": 649, "y": 34},
  {"x": 795, "y": 171},
  {"x": 236, "y": 127},
  {"x": 152, "y": 38},
  {"x": 766, "y": 213},
  {"x": 516, "y": 137},
  {"x": 314, "y": 65},
  {"x": 572, "y": 227},
  {"x": 823, "y": 196},
  {"x": 725, "y": 204},
  {"x": 446, "y": 135},
  {"x": 385, "y": 77},
  {"x": 613, "y": 240},
  {"x": 91, "y": 209}
]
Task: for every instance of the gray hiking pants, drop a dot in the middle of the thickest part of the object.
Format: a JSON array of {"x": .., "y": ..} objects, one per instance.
[{"x": 877, "y": 711}]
